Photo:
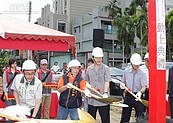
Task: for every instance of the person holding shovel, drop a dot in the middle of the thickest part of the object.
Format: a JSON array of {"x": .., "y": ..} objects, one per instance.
[
  {"x": 98, "y": 76},
  {"x": 136, "y": 82},
  {"x": 144, "y": 68},
  {"x": 27, "y": 89},
  {"x": 71, "y": 99}
]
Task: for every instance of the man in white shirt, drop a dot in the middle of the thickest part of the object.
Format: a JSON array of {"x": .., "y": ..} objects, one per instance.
[{"x": 55, "y": 68}]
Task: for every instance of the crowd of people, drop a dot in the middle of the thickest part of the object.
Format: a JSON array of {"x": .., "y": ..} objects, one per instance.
[{"x": 27, "y": 87}]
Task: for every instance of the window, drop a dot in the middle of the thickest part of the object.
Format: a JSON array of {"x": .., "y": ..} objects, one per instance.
[
  {"x": 65, "y": 2},
  {"x": 65, "y": 12},
  {"x": 56, "y": 5},
  {"x": 62, "y": 26},
  {"x": 107, "y": 27},
  {"x": 75, "y": 30},
  {"x": 79, "y": 29}
]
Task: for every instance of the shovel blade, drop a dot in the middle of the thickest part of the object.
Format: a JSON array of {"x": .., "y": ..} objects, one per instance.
[
  {"x": 110, "y": 99},
  {"x": 85, "y": 117},
  {"x": 145, "y": 102},
  {"x": 119, "y": 104}
]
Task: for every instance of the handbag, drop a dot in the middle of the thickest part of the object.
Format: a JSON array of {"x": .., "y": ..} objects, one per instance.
[{"x": 3, "y": 94}]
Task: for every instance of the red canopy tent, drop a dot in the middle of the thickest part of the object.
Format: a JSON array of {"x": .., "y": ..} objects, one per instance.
[
  {"x": 21, "y": 35},
  {"x": 18, "y": 34}
]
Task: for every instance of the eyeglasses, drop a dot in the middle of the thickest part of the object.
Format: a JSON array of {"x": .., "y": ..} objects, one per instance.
[
  {"x": 29, "y": 73},
  {"x": 43, "y": 64},
  {"x": 76, "y": 68}
]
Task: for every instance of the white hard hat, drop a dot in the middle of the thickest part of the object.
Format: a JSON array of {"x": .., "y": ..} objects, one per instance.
[
  {"x": 146, "y": 56},
  {"x": 28, "y": 65},
  {"x": 43, "y": 61},
  {"x": 97, "y": 52},
  {"x": 74, "y": 63},
  {"x": 136, "y": 59}
]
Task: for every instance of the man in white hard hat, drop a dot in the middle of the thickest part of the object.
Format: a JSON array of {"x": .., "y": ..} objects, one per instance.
[
  {"x": 144, "y": 68},
  {"x": 71, "y": 99},
  {"x": 27, "y": 89},
  {"x": 136, "y": 81},
  {"x": 98, "y": 76}
]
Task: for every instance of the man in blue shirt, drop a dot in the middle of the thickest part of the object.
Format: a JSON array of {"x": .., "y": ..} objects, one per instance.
[{"x": 134, "y": 79}]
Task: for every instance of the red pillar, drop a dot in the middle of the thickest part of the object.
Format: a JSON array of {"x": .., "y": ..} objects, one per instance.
[{"x": 157, "y": 82}]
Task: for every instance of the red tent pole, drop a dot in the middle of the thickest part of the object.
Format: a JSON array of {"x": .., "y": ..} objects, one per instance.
[{"x": 157, "y": 82}]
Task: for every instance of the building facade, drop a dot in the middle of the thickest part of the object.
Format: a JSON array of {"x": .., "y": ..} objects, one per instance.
[{"x": 80, "y": 17}]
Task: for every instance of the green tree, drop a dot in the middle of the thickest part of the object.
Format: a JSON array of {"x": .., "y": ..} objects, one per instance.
[
  {"x": 126, "y": 32},
  {"x": 131, "y": 22},
  {"x": 112, "y": 9},
  {"x": 169, "y": 32},
  {"x": 138, "y": 10},
  {"x": 124, "y": 24},
  {"x": 4, "y": 57}
]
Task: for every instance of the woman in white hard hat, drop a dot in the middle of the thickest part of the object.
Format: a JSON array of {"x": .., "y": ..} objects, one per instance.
[
  {"x": 136, "y": 81},
  {"x": 71, "y": 99},
  {"x": 27, "y": 89},
  {"x": 98, "y": 76}
]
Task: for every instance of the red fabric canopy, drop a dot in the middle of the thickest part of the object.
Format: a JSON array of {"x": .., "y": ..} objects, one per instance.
[{"x": 18, "y": 34}]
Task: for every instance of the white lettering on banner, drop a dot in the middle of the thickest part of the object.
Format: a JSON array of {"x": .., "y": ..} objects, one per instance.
[{"x": 161, "y": 35}]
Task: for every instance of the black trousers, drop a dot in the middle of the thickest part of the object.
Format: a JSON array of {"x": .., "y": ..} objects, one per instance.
[
  {"x": 104, "y": 112},
  {"x": 145, "y": 96},
  {"x": 171, "y": 106},
  {"x": 132, "y": 103},
  {"x": 38, "y": 116}
]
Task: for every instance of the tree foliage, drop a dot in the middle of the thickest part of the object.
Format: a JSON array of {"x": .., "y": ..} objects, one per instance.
[
  {"x": 134, "y": 20},
  {"x": 4, "y": 57},
  {"x": 131, "y": 22},
  {"x": 125, "y": 32},
  {"x": 169, "y": 32},
  {"x": 112, "y": 9},
  {"x": 138, "y": 10}
]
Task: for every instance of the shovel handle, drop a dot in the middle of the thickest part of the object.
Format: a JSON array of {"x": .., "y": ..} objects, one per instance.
[
  {"x": 93, "y": 89},
  {"x": 82, "y": 91},
  {"x": 127, "y": 89},
  {"x": 2, "y": 114}
]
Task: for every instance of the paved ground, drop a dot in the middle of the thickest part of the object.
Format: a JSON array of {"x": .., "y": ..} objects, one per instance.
[{"x": 116, "y": 115}]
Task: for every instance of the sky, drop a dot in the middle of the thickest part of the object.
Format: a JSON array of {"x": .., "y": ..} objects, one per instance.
[{"x": 19, "y": 8}]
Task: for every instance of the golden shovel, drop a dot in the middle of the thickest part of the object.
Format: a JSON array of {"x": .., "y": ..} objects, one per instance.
[
  {"x": 100, "y": 98},
  {"x": 119, "y": 104},
  {"x": 84, "y": 117},
  {"x": 144, "y": 102},
  {"x": 110, "y": 99}
]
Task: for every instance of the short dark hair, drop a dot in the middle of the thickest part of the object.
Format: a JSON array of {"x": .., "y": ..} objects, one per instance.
[
  {"x": 55, "y": 63},
  {"x": 83, "y": 64},
  {"x": 90, "y": 60}
]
